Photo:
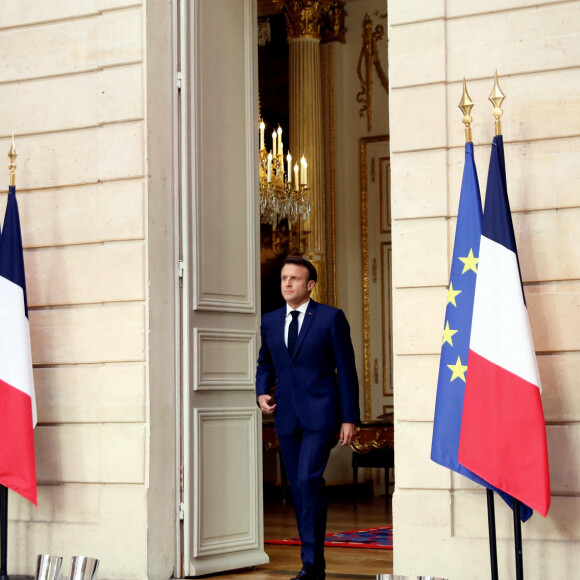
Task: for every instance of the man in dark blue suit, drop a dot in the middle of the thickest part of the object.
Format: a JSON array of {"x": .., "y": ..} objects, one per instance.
[{"x": 307, "y": 378}]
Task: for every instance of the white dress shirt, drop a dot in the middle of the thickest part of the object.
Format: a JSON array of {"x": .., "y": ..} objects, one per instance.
[{"x": 302, "y": 309}]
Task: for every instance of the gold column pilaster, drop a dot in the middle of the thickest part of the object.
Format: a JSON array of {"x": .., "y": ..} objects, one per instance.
[
  {"x": 306, "y": 139},
  {"x": 304, "y": 20}
]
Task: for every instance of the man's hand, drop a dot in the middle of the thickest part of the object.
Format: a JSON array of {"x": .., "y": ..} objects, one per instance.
[
  {"x": 347, "y": 433},
  {"x": 267, "y": 404}
]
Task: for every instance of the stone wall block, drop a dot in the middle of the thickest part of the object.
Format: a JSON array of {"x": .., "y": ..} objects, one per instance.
[
  {"x": 91, "y": 393},
  {"x": 82, "y": 453},
  {"x": 415, "y": 11},
  {"x": 559, "y": 375},
  {"x": 424, "y": 261},
  {"x": 417, "y": 63},
  {"x": 121, "y": 514},
  {"x": 540, "y": 174},
  {"x": 89, "y": 273},
  {"x": 88, "y": 334},
  {"x": 540, "y": 38},
  {"x": 80, "y": 157},
  {"x": 107, "y": 39},
  {"x": 414, "y": 468},
  {"x": 29, "y": 12},
  {"x": 551, "y": 309},
  {"x": 418, "y": 316},
  {"x": 421, "y": 182},
  {"x": 419, "y": 129},
  {"x": 99, "y": 212},
  {"x": 416, "y": 386},
  {"x": 457, "y": 8},
  {"x": 75, "y": 102}
]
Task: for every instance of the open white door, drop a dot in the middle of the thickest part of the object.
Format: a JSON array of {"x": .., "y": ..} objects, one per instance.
[{"x": 222, "y": 526}]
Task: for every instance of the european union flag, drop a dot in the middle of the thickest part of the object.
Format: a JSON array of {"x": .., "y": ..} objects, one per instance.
[
  {"x": 457, "y": 331},
  {"x": 457, "y": 327}
]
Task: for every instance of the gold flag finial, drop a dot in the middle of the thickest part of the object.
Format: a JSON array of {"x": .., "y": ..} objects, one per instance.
[
  {"x": 497, "y": 98},
  {"x": 12, "y": 155},
  {"x": 466, "y": 104}
]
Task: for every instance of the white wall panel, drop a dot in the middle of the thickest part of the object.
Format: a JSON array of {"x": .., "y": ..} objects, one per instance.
[
  {"x": 228, "y": 517},
  {"x": 225, "y": 162},
  {"x": 224, "y": 359}
]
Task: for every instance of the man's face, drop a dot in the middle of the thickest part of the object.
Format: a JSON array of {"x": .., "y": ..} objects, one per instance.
[{"x": 295, "y": 285}]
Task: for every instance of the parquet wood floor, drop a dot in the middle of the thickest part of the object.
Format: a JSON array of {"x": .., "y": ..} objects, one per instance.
[{"x": 341, "y": 563}]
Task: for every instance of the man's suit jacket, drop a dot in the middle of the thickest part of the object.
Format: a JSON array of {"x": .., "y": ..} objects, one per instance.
[{"x": 318, "y": 385}]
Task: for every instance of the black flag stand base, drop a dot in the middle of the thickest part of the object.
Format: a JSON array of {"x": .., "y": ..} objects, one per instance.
[
  {"x": 4, "y": 538},
  {"x": 493, "y": 542},
  {"x": 492, "y": 538}
]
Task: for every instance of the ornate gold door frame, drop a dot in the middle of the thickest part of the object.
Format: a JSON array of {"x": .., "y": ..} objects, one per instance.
[{"x": 376, "y": 268}]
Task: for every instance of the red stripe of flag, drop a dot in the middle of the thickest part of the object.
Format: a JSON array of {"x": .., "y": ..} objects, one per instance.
[
  {"x": 506, "y": 448},
  {"x": 17, "y": 468}
]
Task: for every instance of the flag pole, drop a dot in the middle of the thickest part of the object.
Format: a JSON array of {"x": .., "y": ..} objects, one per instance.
[
  {"x": 518, "y": 541},
  {"x": 497, "y": 97},
  {"x": 492, "y": 536},
  {"x": 4, "y": 489},
  {"x": 466, "y": 104},
  {"x": 4, "y": 532}
]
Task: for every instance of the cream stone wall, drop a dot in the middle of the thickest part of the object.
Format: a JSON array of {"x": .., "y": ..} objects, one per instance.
[
  {"x": 74, "y": 88},
  {"x": 440, "y": 517}
]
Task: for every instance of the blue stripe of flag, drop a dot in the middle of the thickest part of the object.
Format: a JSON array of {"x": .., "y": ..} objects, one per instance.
[
  {"x": 497, "y": 224},
  {"x": 11, "y": 257}
]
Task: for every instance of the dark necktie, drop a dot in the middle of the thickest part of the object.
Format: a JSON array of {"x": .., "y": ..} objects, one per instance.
[{"x": 293, "y": 332}]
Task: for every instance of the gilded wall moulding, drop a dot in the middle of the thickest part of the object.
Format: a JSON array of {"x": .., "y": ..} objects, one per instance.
[
  {"x": 313, "y": 18},
  {"x": 370, "y": 55}
]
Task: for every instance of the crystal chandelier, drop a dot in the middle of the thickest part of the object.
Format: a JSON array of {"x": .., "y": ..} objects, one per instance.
[{"x": 283, "y": 194}]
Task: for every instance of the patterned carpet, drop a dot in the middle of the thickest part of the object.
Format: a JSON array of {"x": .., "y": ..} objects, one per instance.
[{"x": 377, "y": 538}]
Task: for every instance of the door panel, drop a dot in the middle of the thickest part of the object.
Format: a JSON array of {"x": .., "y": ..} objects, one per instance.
[{"x": 222, "y": 526}]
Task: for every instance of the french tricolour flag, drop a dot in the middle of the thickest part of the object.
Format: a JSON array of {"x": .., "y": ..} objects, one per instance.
[
  {"x": 503, "y": 432},
  {"x": 17, "y": 401}
]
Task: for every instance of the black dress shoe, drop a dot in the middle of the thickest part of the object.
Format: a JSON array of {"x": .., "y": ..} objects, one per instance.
[{"x": 310, "y": 573}]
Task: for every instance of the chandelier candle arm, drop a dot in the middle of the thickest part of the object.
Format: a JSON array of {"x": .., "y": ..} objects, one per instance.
[
  {"x": 280, "y": 149},
  {"x": 262, "y": 129}
]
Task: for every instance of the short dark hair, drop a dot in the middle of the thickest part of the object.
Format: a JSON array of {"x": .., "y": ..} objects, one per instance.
[{"x": 300, "y": 261}]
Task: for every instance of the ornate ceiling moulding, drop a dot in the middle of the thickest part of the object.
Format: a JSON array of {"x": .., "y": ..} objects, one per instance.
[{"x": 321, "y": 19}]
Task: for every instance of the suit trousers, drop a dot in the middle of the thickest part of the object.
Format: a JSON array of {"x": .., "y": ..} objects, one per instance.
[{"x": 305, "y": 454}]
